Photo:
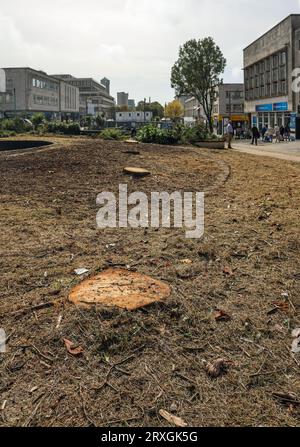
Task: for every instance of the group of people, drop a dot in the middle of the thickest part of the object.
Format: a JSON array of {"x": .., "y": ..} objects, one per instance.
[
  {"x": 267, "y": 134},
  {"x": 270, "y": 134}
]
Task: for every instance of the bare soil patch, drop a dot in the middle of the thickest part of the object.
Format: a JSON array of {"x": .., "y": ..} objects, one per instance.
[{"x": 235, "y": 293}]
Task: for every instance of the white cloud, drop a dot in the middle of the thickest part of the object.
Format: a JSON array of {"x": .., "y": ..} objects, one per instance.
[{"x": 133, "y": 42}]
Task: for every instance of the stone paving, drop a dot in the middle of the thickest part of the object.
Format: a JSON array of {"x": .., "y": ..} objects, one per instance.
[{"x": 286, "y": 150}]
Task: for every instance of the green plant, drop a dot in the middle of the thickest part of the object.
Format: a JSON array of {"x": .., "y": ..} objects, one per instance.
[
  {"x": 152, "y": 134},
  {"x": 62, "y": 128},
  {"x": 194, "y": 133},
  {"x": 112, "y": 134},
  {"x": 37, "y": 119},
  {"x": 7, "y": 133},
  {"x": 17, "y": 125}
]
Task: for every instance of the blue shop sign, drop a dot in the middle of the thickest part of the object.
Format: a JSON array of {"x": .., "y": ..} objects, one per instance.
[
  {"x": 280, "y": 107},
  {"x": 264, "y": 108}
]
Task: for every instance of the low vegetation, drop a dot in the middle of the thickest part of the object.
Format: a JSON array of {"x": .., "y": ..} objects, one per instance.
[
  {"x": 179, "y": 134},
  {"x": 112, "y": 134}
]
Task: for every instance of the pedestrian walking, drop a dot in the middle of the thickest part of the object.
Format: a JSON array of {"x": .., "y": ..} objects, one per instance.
[
  {"x": 255, "y": 135},
  {"x": 287, "y": 132}
]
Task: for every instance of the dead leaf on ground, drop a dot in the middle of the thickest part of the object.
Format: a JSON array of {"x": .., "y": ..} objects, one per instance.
[
  {"x": 218, "y": 368},
  {"x": 281, "y": 305},
  {"x": 221, "y": 315},
  {"x": 186, "y": 261},
  {"x": 227, "y": 271},
  {"x": 72, "y": 348},
  {"x": 173, "y": 420}
]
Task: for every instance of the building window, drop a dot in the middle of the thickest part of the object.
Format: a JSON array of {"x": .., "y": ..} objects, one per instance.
[
  {"x": 283, "y": 73},
  {"x": 275, "y": 89},
  {"x": 275, "y": 60},
  {"x": 238, "y": 107},
  {"x": 283, "y": 58},
  {"x": 275, "y": 75}
]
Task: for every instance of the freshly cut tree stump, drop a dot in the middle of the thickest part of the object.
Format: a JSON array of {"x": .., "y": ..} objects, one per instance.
[
  {"x": 137, "y": 172},
  {"x": 119, "y": 288}
]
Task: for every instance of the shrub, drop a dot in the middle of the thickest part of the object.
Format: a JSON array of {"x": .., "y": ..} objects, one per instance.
[
  {"x": 152, "y": 134},
  {"x": 37, "y": 119},
  {"x": 112, "y": 134},
  {"x": 62, "y": 128},
  {"x": 194, "y": 134},
  {"x": 17, "y": 125},
  {"x": 7, "y": 133}
]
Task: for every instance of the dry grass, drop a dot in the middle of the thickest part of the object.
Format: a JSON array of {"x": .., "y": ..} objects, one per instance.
[{"x": 137, "y": 363}]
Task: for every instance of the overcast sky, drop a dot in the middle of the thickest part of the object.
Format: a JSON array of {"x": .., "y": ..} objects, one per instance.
[{"x": 132, "y": 42}]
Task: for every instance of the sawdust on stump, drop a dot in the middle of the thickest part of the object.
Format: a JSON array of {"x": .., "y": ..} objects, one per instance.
[{"x": 119, "y": 288}]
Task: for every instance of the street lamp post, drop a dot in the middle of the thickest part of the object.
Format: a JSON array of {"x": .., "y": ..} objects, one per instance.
[{"x": 15, "y": 102}]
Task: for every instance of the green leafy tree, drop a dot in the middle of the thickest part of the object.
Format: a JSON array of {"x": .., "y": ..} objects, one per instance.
[
  {"x": 155, "y": 107},
  {"x": 198, "y": 71}
]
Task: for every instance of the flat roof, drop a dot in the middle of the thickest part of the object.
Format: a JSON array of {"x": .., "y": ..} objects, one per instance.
[
  {"x": 271, "y": 29},
  {"x": 232, "y": 83}
]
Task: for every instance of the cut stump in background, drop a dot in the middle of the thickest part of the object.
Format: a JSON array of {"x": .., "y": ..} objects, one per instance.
[
  {"x": 137, "y": 172},
  {"x": 119, "y": 288}
]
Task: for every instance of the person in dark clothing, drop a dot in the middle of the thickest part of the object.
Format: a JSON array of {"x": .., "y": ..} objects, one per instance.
[
  {"x": 263, "y": 132},
  {"x": 255, "y": 135},
  {"x": 287, "y": 132},
  {"x": 282, "y": 133}
]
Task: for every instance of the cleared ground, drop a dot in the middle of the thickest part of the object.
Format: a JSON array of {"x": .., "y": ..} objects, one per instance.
[{"x": 136, "y": 363}]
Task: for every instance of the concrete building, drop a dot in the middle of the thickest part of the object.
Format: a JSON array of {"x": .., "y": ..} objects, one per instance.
[
  {"x": 25, "y": 91},
  {"x": 134, "y": 117},
  {"x": 131, "y": 104},
  {"x": 193, "y": 111},
  {"x": 106, "y": 83},
  {"x": 122, "y": 99},
  {"x": 94, "y": 98},
  {"x": 229, "y": 105},
  {"x": 268, "y": 73}
]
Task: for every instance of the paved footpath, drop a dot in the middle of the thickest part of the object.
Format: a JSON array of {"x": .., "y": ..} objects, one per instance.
[{"x": 284, "y": 151}]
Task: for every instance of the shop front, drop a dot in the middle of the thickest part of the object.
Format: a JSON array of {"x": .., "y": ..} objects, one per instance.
[
  {"x": 240, "y": 123},
  {"x": 271, "y": 115}
]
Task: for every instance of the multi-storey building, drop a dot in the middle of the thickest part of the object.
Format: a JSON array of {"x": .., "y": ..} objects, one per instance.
[
  {"x": 193, "y": 111},
  {"x": 229, "y": 105},
  {"x": 131, "y": 104},
  {"x": 94, "y": 97},
  {"x": 122, "y": 99},
  {"x": 268, "y": 74},
  {"x": 26, "y": 91}
]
